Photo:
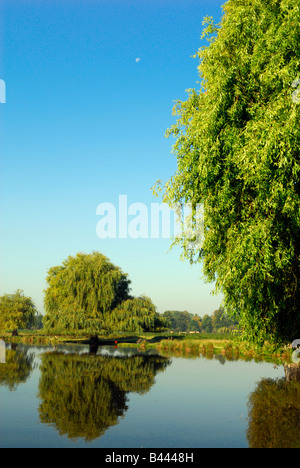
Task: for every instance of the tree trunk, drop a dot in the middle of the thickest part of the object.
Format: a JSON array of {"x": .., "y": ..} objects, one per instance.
[
  {"x": 292, "y": 372},
  {"x": 15, "y": 333},
  {"x": 94, "y": 344}
]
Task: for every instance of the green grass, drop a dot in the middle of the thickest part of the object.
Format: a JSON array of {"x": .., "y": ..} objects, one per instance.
[{"x": 231, "y": 349}]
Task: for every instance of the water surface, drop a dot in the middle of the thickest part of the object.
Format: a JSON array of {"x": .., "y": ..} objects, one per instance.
[{"x": 128, "y": 399}]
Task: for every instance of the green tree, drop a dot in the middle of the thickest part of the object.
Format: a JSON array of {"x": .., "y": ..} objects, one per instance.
[
  {"x": 179, "y": 321},
  {"x": 171, "y": 321},
  {"x": 195, "y": 323},
  {"x": 237, "y": 148},
  {"x": 16, "y": 311},
  {"x": 89, "y": 294},
  {"x": 136, "y": 315},
  {"x": 207, "y": 324},
  {"x": 220, "y": 320},
  {"x": 82, "y": 292}
]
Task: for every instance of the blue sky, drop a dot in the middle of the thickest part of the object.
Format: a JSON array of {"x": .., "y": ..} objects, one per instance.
[{"x": 83, "y": 123}]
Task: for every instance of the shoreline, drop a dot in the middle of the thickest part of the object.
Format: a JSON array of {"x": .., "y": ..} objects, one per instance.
[{"x": 169, "y": 345}]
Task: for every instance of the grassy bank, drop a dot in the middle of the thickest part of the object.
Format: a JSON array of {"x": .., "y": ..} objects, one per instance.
[
  {"x": 185, "y": 345},
  {"x": 231, "y": 349}
]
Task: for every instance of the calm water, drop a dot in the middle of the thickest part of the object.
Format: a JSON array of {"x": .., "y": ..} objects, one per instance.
[{"x": 122, "y": 399}]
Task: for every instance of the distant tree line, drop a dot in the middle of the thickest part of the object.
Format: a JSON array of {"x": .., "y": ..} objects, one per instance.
[{"x": 184, "y": 321}]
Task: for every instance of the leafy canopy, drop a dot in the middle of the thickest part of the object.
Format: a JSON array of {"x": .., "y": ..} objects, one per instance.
[
  {"x": 81, "y": 291},
  {"x": 16, "y": 311},
  {"x": 136, "y": 315},
  {"x": 237, "y": 149},
  {"x": 88, "y": 293}
]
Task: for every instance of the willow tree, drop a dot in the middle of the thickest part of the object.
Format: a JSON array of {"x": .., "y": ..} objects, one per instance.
[
  {"x": 136, "y": 315},
  {"x": 237, "y": 148},
  {"x": 16, "y": 311},
  {"x": 82, "y": 292}
]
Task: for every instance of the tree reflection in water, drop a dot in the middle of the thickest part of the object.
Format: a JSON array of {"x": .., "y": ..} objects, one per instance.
[
  {"x": 274, "y": 414},
  {"x": 19, "y": 364},
  {"x": 83, "y": 395}
]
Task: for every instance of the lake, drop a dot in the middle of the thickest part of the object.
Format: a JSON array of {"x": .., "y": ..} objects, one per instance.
[{"x": 124, "y": 398}]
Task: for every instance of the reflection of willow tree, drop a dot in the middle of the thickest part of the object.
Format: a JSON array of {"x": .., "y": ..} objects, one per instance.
[
  {"x": 274, "y": 415},
  {"x": 83, "y": 395},
  {"x": 17, "y": 368}
]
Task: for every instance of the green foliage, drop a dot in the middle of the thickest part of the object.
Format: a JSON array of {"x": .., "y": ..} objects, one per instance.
[
  {"x": 90, "y": 294},
  {"x": 17, "y": 368},
  {"x": 83, "y": 395},
  {"x": 187, "y": 322},
  {"x": 16, "y": 311},
  {"x": 207, "y": 323},
  {"x": 82, "y": 291},
  {"x": 195, "y": 324},
  {"x": 179, "y": 321},
  {"x": 221, "y": 320},
  {"x": 271, "y": 402},
  {"x": 136, "y": 315},
  {"x": 237, "y": 148}
]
